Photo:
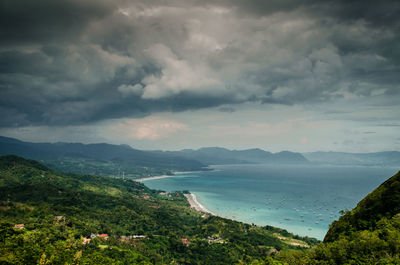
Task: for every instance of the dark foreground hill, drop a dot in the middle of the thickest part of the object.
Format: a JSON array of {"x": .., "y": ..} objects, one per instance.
[
  {"x": 369, "y": 234},
  {"x": 48, "y": 217}
]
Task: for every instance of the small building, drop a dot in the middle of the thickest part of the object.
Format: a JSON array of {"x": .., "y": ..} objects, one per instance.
[
  {"x": 60, "y": 218},
  {"x": 185, "y": 241},
  {"x": 215, "y": 239},
  {"x": 129, "y": 238},
  {"x": 19, "y": 226},
  {"x": 104, "y": 236}
]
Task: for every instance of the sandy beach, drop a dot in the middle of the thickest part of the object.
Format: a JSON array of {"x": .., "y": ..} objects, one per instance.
[
  {"x": 154, "y": 177},
  {"x": 166, "y": 176},
  {"x": 192, "y": 199},
  {"x": 194, "y": 204}
]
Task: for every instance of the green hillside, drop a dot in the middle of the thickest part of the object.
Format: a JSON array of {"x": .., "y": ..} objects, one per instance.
[
  {"x": 369, "y": 234},
  {"x": 48, "y": 217},
  {"x": 383, "y": 202}
]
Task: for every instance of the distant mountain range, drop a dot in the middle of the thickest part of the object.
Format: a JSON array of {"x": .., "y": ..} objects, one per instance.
[
  {"x": 109, "y": 159},
  {"x": 221, "y": 156},
  {"x": 122, "y": 155},
  {"x": 389, "y": 158}
]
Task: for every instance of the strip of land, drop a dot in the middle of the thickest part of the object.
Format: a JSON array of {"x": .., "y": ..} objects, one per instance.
[
  {"x": 153, "y": 177},
  {"x": 194, "y": 204},
  {"x": 192, "y": 199}
]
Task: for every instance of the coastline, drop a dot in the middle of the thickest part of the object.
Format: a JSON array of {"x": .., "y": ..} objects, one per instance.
[
  {"x": 191, "y": 197},
  {"x": 153, "y": 177},
  {"x": 194, "y": 204},
  {"x": 166, "y": 176}
]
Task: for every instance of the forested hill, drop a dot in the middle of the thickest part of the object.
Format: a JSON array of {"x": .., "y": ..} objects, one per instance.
[
  {"x": 369, "y": 234},
  {"x": 382, "y": 203},
  {"x": 48, "y": 217},
  {"x": 221, "y": 156},
  {"x": 98, "y": 159}
]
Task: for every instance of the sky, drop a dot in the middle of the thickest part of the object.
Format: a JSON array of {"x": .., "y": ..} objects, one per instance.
[{"x": 300, "y": 75}]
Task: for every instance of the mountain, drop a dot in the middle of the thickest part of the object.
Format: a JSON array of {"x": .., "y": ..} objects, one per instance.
[
  {"x": 123, "y": 160},
  {"x": 68, "y": 156},
  {"x": 388, "y": 158},
  {"x": 49, "y": 217},
  {"x": 220, "y": 156},
  {"x": 368, "y": 234},
  {"x": 382, "y": 203}
]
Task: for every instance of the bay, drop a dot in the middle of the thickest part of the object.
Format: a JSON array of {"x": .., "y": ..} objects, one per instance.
[{"x": 301, "y": 199}]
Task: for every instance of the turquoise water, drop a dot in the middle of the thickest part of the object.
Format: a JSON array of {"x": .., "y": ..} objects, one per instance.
[{"x": 301, "y": 199}]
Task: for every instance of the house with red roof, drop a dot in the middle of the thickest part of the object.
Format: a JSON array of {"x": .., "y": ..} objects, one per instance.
[
  {"x": 105, "y": 236},
  {"x": 185, "y": 241}
]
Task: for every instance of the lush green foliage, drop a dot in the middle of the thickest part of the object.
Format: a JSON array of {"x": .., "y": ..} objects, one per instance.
[
  {"x": 33, "y": 195},
  {"x": 384, "y": 201},
  {"x": 369, "y": 234}
]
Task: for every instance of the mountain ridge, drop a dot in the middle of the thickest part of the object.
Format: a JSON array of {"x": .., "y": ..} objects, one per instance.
[
  {"x": 220, "y": 155},
  {"x": 55, "y": 153},
  {"x": 384, "y": 158}
]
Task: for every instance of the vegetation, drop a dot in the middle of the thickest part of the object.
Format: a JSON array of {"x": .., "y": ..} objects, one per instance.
[
  {"x": 369, "y": 234},
  {"x": 116, "y": 169},
  {"x": 99, "y": 159},
  {"x": 48, "y": 217}
]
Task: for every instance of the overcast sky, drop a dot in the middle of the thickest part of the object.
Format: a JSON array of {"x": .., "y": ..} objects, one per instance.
[{"x": 301, "y": 75}]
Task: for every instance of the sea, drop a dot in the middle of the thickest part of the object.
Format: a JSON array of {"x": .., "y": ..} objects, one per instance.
[{"x": 303, "y": 199}]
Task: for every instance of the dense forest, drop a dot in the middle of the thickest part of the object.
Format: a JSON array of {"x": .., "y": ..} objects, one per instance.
[
  {"x": 48, "y": 217},
  {"x": 369, "y": 234}
]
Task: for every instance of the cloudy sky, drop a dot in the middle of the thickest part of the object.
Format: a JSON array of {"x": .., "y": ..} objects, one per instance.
[{"x": 300, "y": 75}]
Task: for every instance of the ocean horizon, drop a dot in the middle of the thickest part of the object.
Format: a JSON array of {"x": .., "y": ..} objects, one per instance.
[{"x": 303, "y": 199}]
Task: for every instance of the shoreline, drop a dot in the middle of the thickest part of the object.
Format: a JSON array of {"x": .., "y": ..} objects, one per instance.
[
  {"x": 191, "y": 197},
  {"x": 154, "y": 177},
  {"x": 166, "y": 176},
  {"x": 196, "y": 205}
]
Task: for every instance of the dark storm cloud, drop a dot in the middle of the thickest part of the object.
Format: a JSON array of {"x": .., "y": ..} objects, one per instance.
[
  {"x": 73, "y": 62},
  {"x": 25, "y": 21}
]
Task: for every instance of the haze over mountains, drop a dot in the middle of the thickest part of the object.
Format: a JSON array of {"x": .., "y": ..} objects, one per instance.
[
  {"x": 107, "y": 159},
  {"x": 388, "y": 158},
  {"x": 123, "y": 155},
  {"x": 129, "y": 159},
  {"x": 218, "y": 155}
]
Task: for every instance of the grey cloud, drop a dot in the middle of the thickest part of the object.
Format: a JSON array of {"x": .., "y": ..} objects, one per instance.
[
  {"x": 227, "y": 109},
  {"x": 73, "y": 62},
  {"x": 28, "y": 22}
]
